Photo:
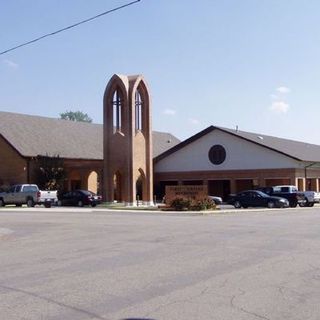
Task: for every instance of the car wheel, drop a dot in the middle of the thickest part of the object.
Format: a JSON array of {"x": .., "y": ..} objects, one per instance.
[
  {"x": 30, "y": 203},
  {"x": 270, "y": 204},
  {"x": 310, "y": 204},
  {"x": 47, "y": 204},
  {"x": 293, "y": 204},
  {"x": 93, "y": 205},
  {"x": 80, "y": 203},
  {"x": 237, "y": 204},
  {"x": 2, "y": 203}
]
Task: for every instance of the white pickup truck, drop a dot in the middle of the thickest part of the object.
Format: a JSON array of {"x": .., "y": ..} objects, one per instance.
[
  {"x": 311, "y": 198},
  {"x": 28, "y": 194}
]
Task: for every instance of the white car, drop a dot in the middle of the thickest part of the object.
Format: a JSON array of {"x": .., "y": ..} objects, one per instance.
[{"x": 215, "y": 199}]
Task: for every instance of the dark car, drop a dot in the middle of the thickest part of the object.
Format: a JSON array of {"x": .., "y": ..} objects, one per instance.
[
  {"x": 255, "y": 198},
  {"x": 78, "y": 198}
]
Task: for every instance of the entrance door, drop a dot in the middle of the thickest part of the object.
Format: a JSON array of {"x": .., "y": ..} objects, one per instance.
[{"x": 220, "y": 188}]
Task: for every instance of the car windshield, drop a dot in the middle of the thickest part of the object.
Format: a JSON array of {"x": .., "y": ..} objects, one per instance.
[
  {"x": 262, "y": 194},
  {"x": 86, "y": 193}
]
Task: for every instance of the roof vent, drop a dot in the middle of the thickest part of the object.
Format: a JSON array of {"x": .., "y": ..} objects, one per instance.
[
  {"x": 169, "y": 141},
  {"x": 259, "y": 137}
]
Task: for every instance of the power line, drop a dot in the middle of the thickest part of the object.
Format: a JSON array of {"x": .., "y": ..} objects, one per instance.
[{"x": 69, "y": 27}]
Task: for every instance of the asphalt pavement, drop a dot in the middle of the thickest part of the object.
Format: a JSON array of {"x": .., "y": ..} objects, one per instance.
[{"x": 83, "y": 263}]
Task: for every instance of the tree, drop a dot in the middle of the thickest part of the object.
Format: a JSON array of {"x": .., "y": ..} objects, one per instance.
[
  {"x": 75, "y": 116},
  {"x": 50, "y": 173}
]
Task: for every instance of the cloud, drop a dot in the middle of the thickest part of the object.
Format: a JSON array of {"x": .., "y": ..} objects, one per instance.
[
  {"x": 274, "y": 96},
  {"x": 194, "y": 121},
  {"x": 279, "y": 107},
  {"x": 279, "y": 104},
  {"x": 169, "y": 112},
  {"x": 283, "y": 90},
  {"x": 10, "y": 64}
]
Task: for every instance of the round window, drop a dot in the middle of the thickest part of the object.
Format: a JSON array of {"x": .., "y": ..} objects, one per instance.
[{"x": 217, "y": 154}]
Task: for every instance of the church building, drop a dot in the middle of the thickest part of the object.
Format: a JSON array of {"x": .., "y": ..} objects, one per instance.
[{"x": 123, "y": 159}]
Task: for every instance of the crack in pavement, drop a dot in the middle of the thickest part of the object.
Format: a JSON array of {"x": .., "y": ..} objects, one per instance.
[
  {"x": 61, "y": 304},
  {"x": 233, "y": 305}
]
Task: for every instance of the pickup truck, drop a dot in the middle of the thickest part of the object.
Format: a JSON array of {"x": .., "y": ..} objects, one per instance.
[
  {"x": 28, "y": 194},
  {"x": 311, "y": 197},
  {"x": 291, "y": 193}
]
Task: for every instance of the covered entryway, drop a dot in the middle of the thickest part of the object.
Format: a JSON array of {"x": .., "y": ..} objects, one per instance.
[{"x": 220, "y": 188}]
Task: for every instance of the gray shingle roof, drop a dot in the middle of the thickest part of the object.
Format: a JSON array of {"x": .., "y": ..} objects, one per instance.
[
  {"x": 34, "y": 135},
  {"x": 295, "y": 149}
]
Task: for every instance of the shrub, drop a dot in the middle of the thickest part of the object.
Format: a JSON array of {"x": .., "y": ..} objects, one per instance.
[
  {"x": 181, "y": 204},
  {"x": 203, "y": 204},
  {"x": 4, "y": 188}
]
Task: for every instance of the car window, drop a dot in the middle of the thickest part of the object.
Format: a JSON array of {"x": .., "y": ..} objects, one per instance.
[
  {"x": 276, "y": 189},
  {"x": 12, "y": 189},
  {"x": 285, "y": 189},
  {"x": 30, "y": 189},
  {"x": 18, "y": 188}
]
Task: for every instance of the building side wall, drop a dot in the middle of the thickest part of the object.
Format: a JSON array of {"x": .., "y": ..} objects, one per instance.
[
  {"x": 240, "y": 155},
  {"x": 13, "y": 167},
  {"x": 228, "y": 175}
]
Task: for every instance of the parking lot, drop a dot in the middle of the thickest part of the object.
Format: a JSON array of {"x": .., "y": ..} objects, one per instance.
[{"x": 83, "y": 263}]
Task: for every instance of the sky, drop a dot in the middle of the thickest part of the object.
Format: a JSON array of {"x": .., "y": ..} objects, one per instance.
[{"x": 251, "y": 64}]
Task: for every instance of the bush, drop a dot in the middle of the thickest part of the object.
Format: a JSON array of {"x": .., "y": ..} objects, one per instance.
[
  {"x": 203, "y": 204},
  {"x": 181, "y": 204},
  {"x": 4, "y": 188}
]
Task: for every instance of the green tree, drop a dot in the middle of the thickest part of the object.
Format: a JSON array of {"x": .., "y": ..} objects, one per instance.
[
  {"x": 50, "y": 173},
  {"x": 75, "y": 116}
]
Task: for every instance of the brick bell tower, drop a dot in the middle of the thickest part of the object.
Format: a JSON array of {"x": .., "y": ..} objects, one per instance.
[{"x": 127, "y": 141}]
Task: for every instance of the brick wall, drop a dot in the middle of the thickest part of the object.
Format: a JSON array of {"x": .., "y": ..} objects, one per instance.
[{"x": 13, "y": 167}]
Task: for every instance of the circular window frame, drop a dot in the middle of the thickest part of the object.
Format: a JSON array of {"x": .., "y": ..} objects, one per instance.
[{"x": 217, "y": 154}]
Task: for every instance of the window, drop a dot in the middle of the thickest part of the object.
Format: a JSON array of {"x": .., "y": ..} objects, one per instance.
[
  {"x": 30, "y": 189},
  {"x": 217, "y": 154},
  {"x": 117, "y": 101},
  {"x": 138, "y": 110}
]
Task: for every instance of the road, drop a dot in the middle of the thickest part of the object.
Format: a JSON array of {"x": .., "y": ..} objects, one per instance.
[{"x": 62, "y": 264}]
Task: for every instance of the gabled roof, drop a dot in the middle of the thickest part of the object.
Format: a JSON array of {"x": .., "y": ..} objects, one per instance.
[
  {"x": 34, "y": 135},
  {"x": 297, "y": 150}
]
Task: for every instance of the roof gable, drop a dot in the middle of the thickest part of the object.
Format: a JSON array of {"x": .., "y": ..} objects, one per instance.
[{"x": 296, "y": 150}]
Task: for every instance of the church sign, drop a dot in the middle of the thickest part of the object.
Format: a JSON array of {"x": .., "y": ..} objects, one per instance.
[{"x": 192, "y": 192}]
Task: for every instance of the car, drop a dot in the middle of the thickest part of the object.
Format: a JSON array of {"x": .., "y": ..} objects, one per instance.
[
  {"x": 215, "y": 199},
  {"x": 78, "y": 198},
  {"x": 256, "y": 198}
]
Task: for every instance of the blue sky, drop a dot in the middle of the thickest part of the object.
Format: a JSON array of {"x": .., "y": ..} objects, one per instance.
[{"x": 254, "y": 64}]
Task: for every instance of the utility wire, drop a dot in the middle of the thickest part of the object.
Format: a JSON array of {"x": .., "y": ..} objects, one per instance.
[{"x": 69, "y": 27}]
